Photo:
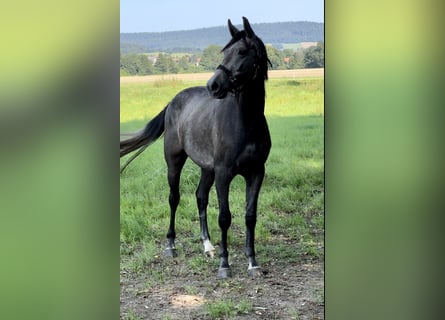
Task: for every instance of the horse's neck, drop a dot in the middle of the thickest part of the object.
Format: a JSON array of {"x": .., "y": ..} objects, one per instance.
[{"x": 252, "y": 99}]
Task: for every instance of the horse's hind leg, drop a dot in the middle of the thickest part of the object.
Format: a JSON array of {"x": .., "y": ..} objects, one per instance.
[
  {"x": 175, "y": 164},
  {"x": 202, "y": 198}
]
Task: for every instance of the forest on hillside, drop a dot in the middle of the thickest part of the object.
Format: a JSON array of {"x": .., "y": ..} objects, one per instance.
[{"x": 275, "y": 34}]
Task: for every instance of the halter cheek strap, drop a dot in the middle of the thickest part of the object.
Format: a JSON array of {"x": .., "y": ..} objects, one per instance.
[{"x": 224, "y": 69}]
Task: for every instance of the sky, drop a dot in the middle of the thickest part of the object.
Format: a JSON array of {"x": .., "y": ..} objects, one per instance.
[{"x": 174, "y": 15}]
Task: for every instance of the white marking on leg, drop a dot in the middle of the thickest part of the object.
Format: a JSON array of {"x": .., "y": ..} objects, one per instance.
[
  {"x": 252, "y": 267},
  {"x": 208, "y": 248},
  {"x": 254, "y": 271}
]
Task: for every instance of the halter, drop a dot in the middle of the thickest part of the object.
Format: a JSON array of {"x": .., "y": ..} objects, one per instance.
[
  {"x": 226, "y": 71},
  {"x": 232, "y": 80}
]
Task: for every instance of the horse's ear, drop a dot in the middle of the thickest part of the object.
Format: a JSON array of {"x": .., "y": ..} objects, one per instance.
[
  {"x": 248, "y": 28},
  {"x": 233, "y": 30}
]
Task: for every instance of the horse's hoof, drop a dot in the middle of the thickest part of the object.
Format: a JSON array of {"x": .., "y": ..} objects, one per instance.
[
  {"x": 224, "y": 273},
  {"x": 255, "y": 272},
  {"x": 171, "y": 252},
  {"x": 209, "y": 249},
  {"x": 210, "y": 254}
]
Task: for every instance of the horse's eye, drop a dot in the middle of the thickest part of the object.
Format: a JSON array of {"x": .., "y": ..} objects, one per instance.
[{"x": 242, "y": 52}]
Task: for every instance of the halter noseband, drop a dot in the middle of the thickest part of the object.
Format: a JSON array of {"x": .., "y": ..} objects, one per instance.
[
  {"x": 228, "y": 73},
  {"x": 225, "y": 70}
]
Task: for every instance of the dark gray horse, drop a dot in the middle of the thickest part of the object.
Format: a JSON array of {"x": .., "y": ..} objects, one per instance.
[{"x": 222, "y": 128}]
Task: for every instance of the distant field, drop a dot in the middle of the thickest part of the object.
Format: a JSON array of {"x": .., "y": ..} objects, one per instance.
[
  {"x": 273, "y": 74},
  {"x": 298, "y": 46}
]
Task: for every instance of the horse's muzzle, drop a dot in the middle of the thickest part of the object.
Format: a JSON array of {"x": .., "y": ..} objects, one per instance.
[{"x": 219, "y": 84}]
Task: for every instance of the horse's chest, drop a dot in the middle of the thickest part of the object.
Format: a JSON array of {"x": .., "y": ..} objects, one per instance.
[{"x": 252, "y": 153}]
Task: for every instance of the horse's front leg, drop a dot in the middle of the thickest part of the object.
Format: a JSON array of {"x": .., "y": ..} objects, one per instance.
[
  {"x": 202, "y": 198},
  {"x": 253, "y": 186},
  {"x": 224, "y": 219}
]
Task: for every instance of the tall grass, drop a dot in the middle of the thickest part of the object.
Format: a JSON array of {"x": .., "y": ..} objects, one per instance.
[{"x": 291, "y": 200}]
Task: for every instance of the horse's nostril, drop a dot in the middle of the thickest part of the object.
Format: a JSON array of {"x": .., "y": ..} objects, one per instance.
[{"x": 214, "y": 86}]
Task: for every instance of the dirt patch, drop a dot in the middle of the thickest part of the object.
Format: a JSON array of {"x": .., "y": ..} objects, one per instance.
[
  {"x": 288, "y": 290},
  {"x": 186, "y": 301}
]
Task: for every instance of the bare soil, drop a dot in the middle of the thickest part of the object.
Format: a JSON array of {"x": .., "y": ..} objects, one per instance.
[
  {"x": 294, "y": 74},
  {"x": 287, "y": 290}
]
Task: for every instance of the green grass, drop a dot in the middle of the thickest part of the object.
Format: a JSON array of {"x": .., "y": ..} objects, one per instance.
[
  {"x": 290, "y": 225},
  {"x": 226, "y": 308},
  {"x": 131, "y": 316}
]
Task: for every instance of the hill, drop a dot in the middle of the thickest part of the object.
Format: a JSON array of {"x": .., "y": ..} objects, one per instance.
[{"x": 198, "y": 39}]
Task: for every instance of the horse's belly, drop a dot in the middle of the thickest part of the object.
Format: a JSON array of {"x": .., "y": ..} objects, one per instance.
[{"x": 201, "y": 157}]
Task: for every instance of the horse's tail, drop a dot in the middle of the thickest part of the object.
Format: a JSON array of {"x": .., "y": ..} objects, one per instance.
[{"x": 152, "y": 131}]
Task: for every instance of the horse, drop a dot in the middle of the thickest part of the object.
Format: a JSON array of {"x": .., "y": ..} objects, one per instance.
[{"x": 222, "y": 129}]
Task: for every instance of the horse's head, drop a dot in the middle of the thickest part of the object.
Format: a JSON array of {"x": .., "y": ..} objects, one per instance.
[{"x": 245, "y": 60}]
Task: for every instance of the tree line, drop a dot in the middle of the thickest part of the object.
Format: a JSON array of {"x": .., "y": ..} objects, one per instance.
[
  {"x": 190, "y": 40},
  {"x": 164, "y": 63}
]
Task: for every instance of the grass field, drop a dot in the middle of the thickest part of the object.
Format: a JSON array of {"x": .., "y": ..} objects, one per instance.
[{"x": 290, "y": 226}]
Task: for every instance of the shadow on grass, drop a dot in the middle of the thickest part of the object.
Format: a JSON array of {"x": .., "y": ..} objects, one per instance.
[{"x": 294, "y": 83}]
